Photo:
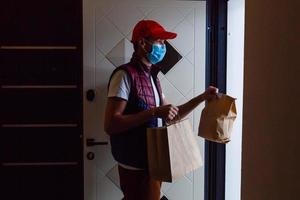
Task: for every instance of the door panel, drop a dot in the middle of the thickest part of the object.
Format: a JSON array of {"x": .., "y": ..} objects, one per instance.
[
  {"x": 107, "y": 35},
  {"x": 36, "y": 144},
  {"x": 40, "y": 67},
  {"x": 31, "y": 22},
  {"x": 40, "y": 105},
  {"x": 46, "y": 182},
  {"x": 41, "y": 100}
]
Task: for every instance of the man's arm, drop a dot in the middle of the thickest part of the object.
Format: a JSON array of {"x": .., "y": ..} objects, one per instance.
[
  {"x": 189, "y": 106},
  {"x": 115, "y": 121}
]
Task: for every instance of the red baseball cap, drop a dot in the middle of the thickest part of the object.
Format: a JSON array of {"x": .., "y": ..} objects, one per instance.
[{"x": 150, "y": 28}]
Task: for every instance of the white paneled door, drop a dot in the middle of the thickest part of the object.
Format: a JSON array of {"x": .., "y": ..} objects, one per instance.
[{"x": 107, "y": 31}]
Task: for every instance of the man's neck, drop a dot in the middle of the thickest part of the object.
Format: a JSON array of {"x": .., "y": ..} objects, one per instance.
[{"x": 146, "y": 63}]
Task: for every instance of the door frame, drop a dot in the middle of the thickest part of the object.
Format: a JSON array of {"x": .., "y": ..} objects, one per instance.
[{"x": 216, "y": 59}]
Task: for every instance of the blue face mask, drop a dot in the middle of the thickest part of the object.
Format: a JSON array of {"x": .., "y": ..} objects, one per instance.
[{"x": 157, "y": 54}]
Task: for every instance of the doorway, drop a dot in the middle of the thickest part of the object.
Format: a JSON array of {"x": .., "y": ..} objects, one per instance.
[{"x": 107, "y": 34}]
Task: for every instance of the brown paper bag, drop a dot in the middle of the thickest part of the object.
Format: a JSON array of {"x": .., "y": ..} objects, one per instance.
[
  {"x": 172, "y": 151},
  {"x": 217, "y": 119}
]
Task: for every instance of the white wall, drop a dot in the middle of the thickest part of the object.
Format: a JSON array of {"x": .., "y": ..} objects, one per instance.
[
  {"x": 270, "y": 161},
  {"x": 235, "y": 74}
]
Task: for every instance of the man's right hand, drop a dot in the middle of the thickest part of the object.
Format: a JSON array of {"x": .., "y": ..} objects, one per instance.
[{"x": 166, "y": 112}]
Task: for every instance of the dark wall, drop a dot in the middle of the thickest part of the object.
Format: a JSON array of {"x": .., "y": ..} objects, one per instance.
[{"x": 271, "y": 134}]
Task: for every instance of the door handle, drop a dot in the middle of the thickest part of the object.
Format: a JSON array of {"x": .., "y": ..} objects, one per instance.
[{"x": 92, "y": 142}]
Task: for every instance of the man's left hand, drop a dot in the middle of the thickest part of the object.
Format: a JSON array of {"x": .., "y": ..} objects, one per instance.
[{"x": 210, "y": 93}]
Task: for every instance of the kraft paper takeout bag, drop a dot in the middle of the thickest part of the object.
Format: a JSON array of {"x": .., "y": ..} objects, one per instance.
[
  {"x": 172, "y": 151},
  {"x": 217, "y": 119}
]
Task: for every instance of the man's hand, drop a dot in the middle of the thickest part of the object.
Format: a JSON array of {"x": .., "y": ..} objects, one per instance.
[
  {"x": 210, "y": 93},
  {"x": 167, "y": 112}
]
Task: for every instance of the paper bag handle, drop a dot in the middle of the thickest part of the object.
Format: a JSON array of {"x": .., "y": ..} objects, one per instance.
[{"x": 168, "y": 123}]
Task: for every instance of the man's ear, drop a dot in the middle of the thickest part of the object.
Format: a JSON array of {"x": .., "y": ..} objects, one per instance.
[{"x": 142, "y": 42}]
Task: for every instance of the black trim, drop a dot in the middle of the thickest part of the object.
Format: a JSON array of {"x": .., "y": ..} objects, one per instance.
[{"x": 216, "y": 54}]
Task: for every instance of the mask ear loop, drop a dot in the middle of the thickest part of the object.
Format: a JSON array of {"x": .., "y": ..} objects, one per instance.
[{"x": 151, "y": 44}]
